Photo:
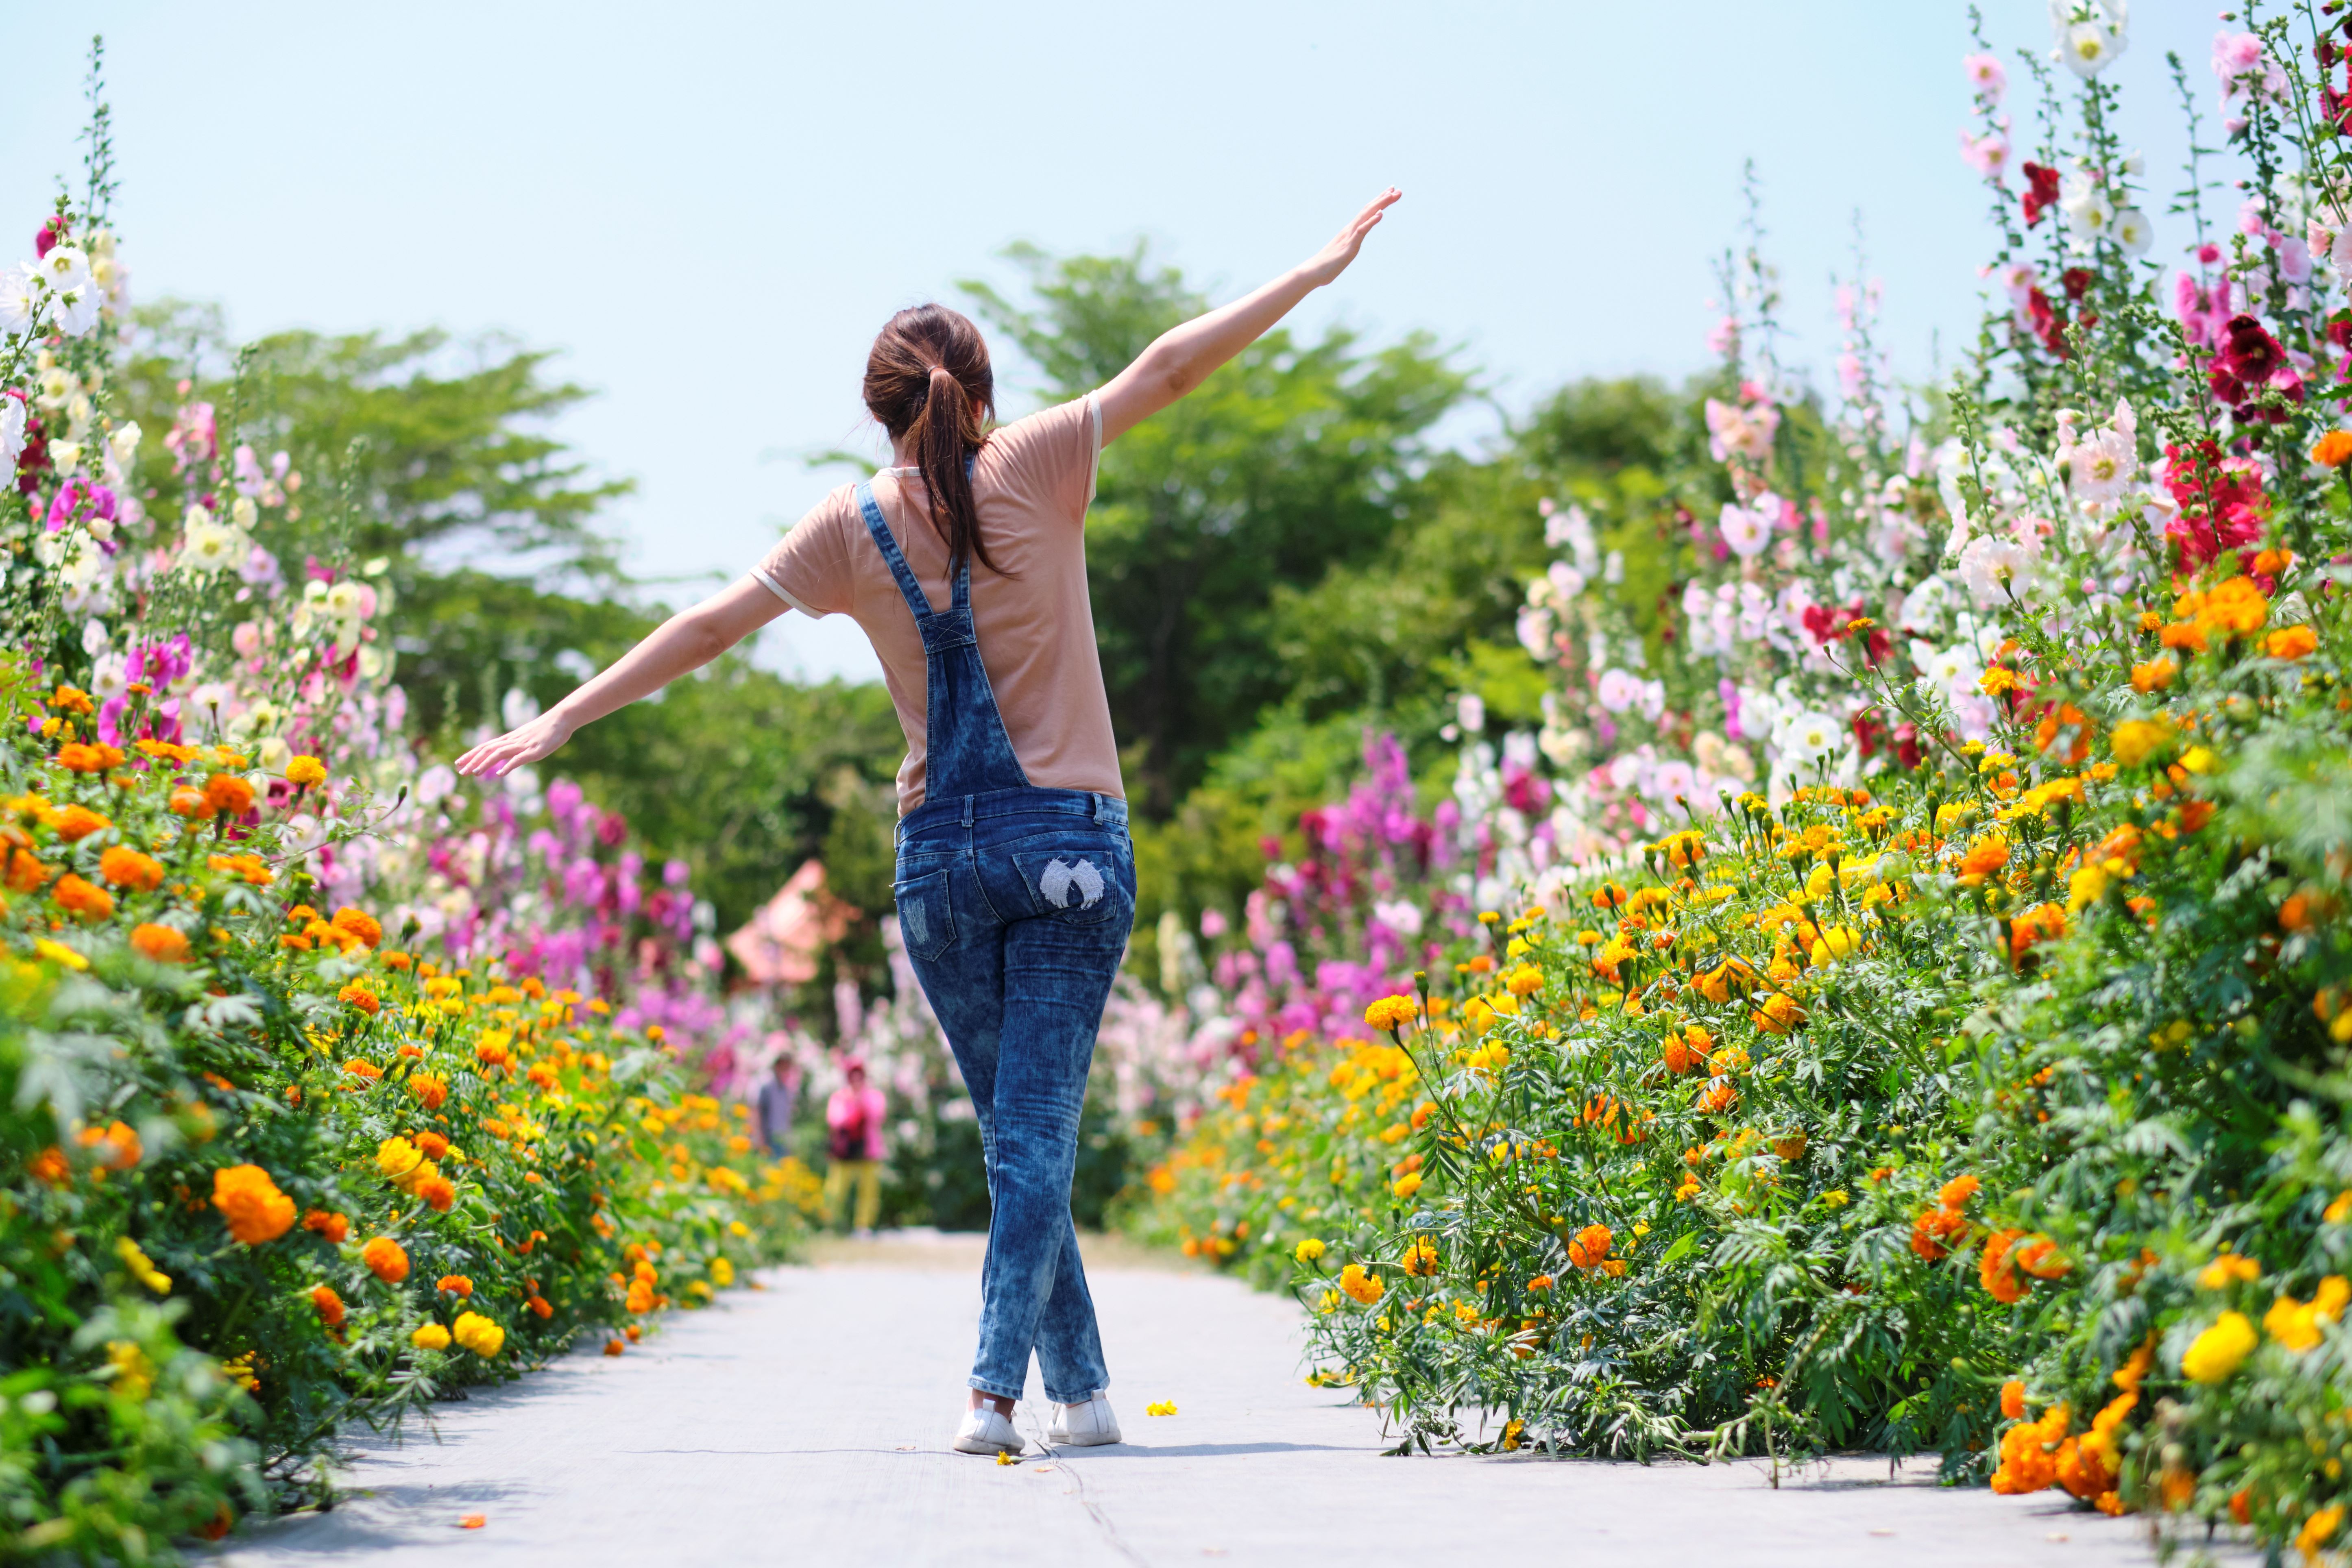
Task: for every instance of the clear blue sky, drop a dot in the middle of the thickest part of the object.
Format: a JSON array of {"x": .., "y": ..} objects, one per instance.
[{"x": 710, "y": 207}]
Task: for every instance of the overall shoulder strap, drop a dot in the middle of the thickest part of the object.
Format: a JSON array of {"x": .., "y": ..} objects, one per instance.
[{"x": 871, "y": 510}]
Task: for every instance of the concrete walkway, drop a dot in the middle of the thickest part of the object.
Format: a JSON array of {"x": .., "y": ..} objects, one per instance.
[{"x": 808, "y": 1423}]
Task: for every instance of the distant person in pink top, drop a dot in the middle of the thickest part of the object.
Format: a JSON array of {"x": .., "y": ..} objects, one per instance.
[{"x": 853, "y": 1126}]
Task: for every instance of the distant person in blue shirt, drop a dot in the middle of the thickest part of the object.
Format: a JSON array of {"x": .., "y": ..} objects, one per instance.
[{"x": 775, "y": 1107}]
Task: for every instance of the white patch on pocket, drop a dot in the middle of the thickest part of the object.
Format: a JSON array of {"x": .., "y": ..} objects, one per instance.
[
  {"x": 912, "y": 923},
  {"x": 1056, "y": 881}
]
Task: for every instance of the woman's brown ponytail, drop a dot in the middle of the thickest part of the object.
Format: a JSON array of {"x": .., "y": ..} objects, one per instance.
[{"x": 929, "y": 382}]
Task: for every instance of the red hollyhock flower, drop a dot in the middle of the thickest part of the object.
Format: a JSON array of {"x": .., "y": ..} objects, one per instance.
[
  {"x": 2077, "y": 280},
  {"x": 2048, "y": 324},
  {"x": 2220, "y": 501},
  {"x": 2040, "y": 192},
  {"x": 1907, "y": 746},
  {"x": 2250, "y": 360}
]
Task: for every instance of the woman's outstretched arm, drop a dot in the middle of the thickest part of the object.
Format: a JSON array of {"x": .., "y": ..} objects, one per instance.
[
  {"x": 685, "y": 641},
  {"x": 1182, "y": 358}
]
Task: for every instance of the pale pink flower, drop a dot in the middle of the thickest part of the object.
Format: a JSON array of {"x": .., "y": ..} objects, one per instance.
[
  {"x": 1619, "y": 690},
  {"x": 1746, "y": 532},
  {"x": 1986, "y": 78},
  {"x": 1987, "y": 154}
]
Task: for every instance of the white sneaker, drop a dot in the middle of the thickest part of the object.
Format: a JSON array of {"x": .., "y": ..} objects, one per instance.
[
  {"x": 1084, "y": 1425},
  {"x": 987, "y": 1430}
]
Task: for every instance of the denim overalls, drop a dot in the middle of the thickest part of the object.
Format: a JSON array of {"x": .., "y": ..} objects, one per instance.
[{"x": 1015, "y": 904}]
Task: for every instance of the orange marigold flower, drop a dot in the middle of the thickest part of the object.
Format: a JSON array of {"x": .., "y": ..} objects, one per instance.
[
  {"x": 25, "y": 873},
  {"x": 615, "y": 1347},
  {"x": 1590, "y": 1247},
  {"x": 437, "y": 1192},
  {"x": 2039, "y": 1256},
  {"x": 455, "y": 1284},
  {"x": 432, "y": 1145},
  {"x": 2012, "y": 1399},
  {"x": 2154, "y": 676},
  {"x": 247, "y": 868},
  {"x": 1391, "y": 1012},
  {"x": 2333, "y": 450},
  {"x": 51, "y": 1166},
  {"x": 305, "y": 772},
  {"x": 71, "y": 699},
  {"x": 2043, "y": 923},
  {"x": 86, "y": 899},
  {"x": 1778, "y": 1015},
  {"x": 1932, "y": 1229},
  {"x": 2080, "y": 1470},
  {"x": 385, "y": 1259},
  {"x": 1993, "y": 1269},
  {"x": 77, "y": 758},
  {"x": 541, "y": 1305},
  {"x": 1718, "y": 1096},
  {"x": 360, "y": 997},
  {"x": 2292, "y": 642},
  {"x": 163, "y": 943},
  {"x": 329, "y": 1305},
  {"x": 360, "y": 925},
  {"x": 191, "y": 804},
  {"x": 333, "y": 1227},
  {"x": 126, "y": 867},
  {"x": 394, "y": 961},
  {"x": 121, "y": 1144},
  {"x": 360, "y": 1067},
  {"x": 75, "y": 823},
  {"x": 430, "y": 1091},
  {"x": 1986, "y": 856},
  {"x": 229, "y": 794},
  {"x": 1956, "y": 1192},
  {"x": 2184, "y": 634},
  {"x": 256, "y": 1211}
]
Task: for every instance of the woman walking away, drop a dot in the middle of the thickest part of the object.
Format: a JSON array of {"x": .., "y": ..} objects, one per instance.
[{"x": 965, "y": 564}]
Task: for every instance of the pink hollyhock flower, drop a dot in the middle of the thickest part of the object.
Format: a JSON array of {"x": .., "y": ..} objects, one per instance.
[
  {"x": 1746, "y": 531},
  {"x": 1986, "y": 78},
  {"x": 1987, "y": 154}
]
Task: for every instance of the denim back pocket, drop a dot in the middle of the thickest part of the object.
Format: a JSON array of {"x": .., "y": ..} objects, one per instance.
[
  {"x": 1078, "y": 886},
  {"x": 926, "y": 916}
]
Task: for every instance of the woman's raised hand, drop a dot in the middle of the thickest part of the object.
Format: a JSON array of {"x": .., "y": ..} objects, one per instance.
[
  {"x": 1332, "y": 259},
  {"x": 516, "y": 748}
]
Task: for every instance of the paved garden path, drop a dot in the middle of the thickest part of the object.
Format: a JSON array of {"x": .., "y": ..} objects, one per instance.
[{"x": 808, "y": 1423}]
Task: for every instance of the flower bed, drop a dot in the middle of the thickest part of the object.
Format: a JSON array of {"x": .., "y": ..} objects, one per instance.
[
  {"x": 1912, "y": 1011},
  {"x": 266, "y": 1167}
]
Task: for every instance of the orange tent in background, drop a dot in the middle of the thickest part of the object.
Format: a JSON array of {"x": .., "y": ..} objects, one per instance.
[{"x": 780, "y": 944}]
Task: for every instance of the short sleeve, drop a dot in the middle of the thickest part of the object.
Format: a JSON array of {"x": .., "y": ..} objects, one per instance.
[
  {"x": 1052, "y": 456},
  {"x": 808, "y": 569}
]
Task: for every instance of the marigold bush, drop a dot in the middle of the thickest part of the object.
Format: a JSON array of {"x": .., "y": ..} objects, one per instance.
[
  {"x": 1901, "y": 997},
  {"x": 268, "y": 1068}
]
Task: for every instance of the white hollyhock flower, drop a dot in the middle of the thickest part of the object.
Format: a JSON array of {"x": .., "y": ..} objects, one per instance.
[
  {"x": 12, "y": 430},
  {"x": 209, "y": 547},
  {"x": 1469, "y": 709},
  {"x": 2132, "y": 231},
  {"x": 1953, "y": 670},
  {"x": 65, "y": 267},
  {"x": 95, "y": 637},
  {"x": 20, "y": 294},
  {"x": 274, "y": 754},
  {"x": 77, "y": 310},
  {"x": 1808, "y": 736},
  {"x": 2083, "y": 201},
  {"x": 1989, "y": 565},
  {"x": 2104, "y": 466},
  {"x": 2090, "y": 33},
  {"x": 124, "y": 442}
]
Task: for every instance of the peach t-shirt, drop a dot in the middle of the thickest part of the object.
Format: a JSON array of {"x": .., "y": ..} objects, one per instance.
[{"x": 1033, "y": 482}]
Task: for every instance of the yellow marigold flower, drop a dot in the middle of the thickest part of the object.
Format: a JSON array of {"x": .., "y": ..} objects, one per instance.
[
  {"x": 1406, "y": 1185},
  {"x": 2319, "y": 1530},
  {"x": 2136, "y": 739},
  {"x": 251, "y": 1203},
  {"x": 1308, "y": 1250},
  {"x": 1160, "y": 1407},
  {"x": 1391, "y": 1012},
  {"x": 431, "y": 1336},
  {"x": 141, "y": 1268},
  {"x": 307, "y": 773},
  {"x": 478, "y": 1335},
  {"x": 1361, "y": 1284},
  {"x": 1419, "y": 1259},
  {"x": 1997, "y": 680},
  {"x": 1524, "y": 981},
  {"x": 2216, "y": 1353}
]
